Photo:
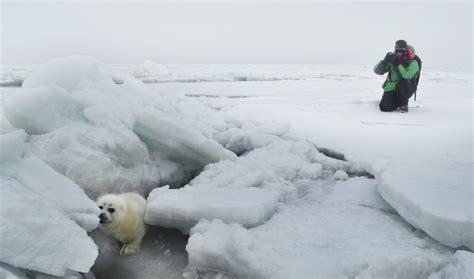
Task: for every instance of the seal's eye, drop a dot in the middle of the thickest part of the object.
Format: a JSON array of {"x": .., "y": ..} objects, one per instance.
[
  {"x": 111, "y": 210},
  {"x": 101, "y": 207}
]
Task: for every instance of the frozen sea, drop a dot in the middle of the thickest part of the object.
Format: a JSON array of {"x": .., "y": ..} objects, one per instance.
[{"x": 274, "y": 171}]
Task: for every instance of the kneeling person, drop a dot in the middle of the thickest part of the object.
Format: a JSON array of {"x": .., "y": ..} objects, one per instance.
[{"x": 402, "y": 68}]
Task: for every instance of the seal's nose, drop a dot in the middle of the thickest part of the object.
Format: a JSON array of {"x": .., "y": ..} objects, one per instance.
[{"x": 102, "y": 218}]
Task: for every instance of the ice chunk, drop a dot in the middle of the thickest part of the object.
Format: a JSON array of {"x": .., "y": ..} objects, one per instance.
[
  {"x": 150, "y": 68},
  {"x": 70, "y": 73},
  {"x": 182, "y": 209},
  {"x": 41, "y": 179},
  {"x": 451, "y": 219},
  {"x": 35, "y": 175},
  {"x": 341, "y": 175},
  {"x": 41, "y": 110},
  {"x": 100, "y": 159},
  {"x": 272, "y": 128},
  {"x": 355, "y": 191},
  {"x": 5, "y": 125},
  {"x": 82, "y": 125},
  {"x": 461, "y": 267},
  {"x": 229, "y": 249},
  {"x": 178, "y": 142},
  {"x": 311, "y": 171},
  {"x": 11, "y": 145},
  {"x": 57, "y": 244},
  {"x": 10, "y": 272},
  {"x": 37, "y": 199}
]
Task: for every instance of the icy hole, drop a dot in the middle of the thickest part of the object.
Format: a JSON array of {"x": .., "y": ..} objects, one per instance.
[
  {"x": 331, "y": 153},
  {"x": 162, "y": 255}
]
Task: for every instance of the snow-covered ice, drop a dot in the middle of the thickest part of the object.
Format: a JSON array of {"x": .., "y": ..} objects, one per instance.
[
  {"x": 337, "y": 230},
  {"x": 44, "y": 216},
  {"x": 108, "y": 137},
  {"x": 459, "y": 267},
  {"x": 12, "y": 146},
  {"x": 341, "y": 175},
  {"x": 281, "y": 170},
  {"x": 152, "y": 72},
  {"x": 419, "y": 159},
  {"x": 41, "y": 110},
  {"x": 70, "y": 73}
]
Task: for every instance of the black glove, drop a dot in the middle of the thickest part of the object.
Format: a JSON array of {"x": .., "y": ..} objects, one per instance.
[
  {"x": 385, "y": 59},
  {"x": 394, "y": 59}
]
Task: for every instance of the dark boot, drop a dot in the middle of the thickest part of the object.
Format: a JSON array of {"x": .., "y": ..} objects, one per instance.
[{"x": 403, "y": 108}]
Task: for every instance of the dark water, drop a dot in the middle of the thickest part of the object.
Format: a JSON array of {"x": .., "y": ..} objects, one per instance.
[{"x": 162, "y": 255}]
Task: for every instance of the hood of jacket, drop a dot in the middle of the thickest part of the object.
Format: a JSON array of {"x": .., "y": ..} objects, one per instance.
[{"x": 412, "y": 49}]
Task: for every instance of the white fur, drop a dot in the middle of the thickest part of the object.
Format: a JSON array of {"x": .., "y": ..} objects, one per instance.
[{"x": 126, "y": 222}]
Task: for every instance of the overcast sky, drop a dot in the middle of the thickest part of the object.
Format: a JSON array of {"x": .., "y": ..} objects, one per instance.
[{"x": 255, "y": 33}]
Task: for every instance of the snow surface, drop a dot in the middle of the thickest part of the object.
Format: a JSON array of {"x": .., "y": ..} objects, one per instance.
[
  {"x": 407, "y": 153},
  {"x": 44, "y": 216},
  {"x": 152, "y": 72},
  {"x": 336, "y": 230},
  {"x": 424, "y": 174},
  {"x": 283, "y": 208}
]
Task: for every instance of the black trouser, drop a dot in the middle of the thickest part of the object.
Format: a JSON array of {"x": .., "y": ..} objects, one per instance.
[{"x": 391, "y": 100}]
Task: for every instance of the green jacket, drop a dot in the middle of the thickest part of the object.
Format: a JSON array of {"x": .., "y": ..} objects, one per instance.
[{"x": 404, "y": 72}]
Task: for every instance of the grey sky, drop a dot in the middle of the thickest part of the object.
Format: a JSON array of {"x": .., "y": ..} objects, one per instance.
[{"x": 254, "y": 33}]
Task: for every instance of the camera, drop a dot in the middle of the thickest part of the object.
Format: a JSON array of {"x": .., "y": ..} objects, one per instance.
[{"x": 393, "y": 57}]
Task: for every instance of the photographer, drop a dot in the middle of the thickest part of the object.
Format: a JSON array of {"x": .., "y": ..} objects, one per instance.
[{"x": 402, "y": 69}]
